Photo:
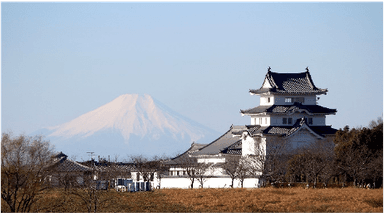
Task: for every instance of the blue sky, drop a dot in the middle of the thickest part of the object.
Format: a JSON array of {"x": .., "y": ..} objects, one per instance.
[{"x": 61, "y": 60}]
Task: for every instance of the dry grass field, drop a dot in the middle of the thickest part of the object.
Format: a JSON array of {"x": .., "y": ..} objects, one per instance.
[{"x": 225, "y": 200}]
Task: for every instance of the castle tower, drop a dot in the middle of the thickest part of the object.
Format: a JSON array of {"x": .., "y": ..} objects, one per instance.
[{"x": 288, "y": 111}]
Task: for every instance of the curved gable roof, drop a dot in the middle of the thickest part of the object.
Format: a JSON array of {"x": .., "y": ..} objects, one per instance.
[{"x": 289, "y": 83}]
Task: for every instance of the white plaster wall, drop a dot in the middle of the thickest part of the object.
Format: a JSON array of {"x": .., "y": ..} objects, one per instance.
[
  {"x": 170, "y": 182},
  {"x": 211, "y": 160},
  {"x": 248, "y": 146},
  {"x": 278, "y": 119},
  {"x": 302, "y": 138},
  {"x": 266, "y": 120},
  {"x": 319, "y": 120},
  {"x": 280, "y": 100},
  {"x": 310, "y": 100},
  {"x": 253, "y": 146},
  {"x": 214, "y": 182},
  {"x": 264, "y": 100},
  {"x": 253, "y": 121},
  {"x": 275, "y": 120}
]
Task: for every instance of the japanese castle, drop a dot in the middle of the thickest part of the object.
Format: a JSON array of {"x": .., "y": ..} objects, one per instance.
[{"x": 288, "y": 112}]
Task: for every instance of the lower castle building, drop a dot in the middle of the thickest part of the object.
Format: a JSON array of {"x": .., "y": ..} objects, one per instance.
[{"x": 288, "y": 114}]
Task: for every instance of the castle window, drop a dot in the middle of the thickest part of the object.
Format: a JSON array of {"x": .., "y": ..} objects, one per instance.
[
  {"x": 284, "y": 120},
  {"x": 288, "y": 100},
  {"x": 289, "y": 120},
  {"x": 310, "y": 121},
  {"x": 260, "y": 120},
  {"x": 178, "y": 173},
  {"x": 269, "y": 99},
  {"x": 266, "y": 121}
]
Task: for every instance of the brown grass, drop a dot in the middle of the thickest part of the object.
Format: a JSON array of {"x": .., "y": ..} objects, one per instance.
[
  {"x": 226, "y": 200},
  {"x": 287, "y": 200}
]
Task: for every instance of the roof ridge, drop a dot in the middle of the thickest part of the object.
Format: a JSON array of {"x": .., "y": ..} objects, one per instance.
[{"x": 87, "y": 167}]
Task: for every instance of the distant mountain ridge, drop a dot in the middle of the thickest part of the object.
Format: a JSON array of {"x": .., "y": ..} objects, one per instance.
[{"x": 129, "y": 124}]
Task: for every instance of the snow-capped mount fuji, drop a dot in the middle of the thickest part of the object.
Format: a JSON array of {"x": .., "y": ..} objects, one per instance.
[{"x": 131, "y": 124}]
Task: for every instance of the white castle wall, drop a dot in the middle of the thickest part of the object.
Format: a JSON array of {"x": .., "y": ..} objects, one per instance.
[
  {"x": 214, "y": 182},
  {"x": 280, "y": 100},
  {"x": 278, "y": 120}
]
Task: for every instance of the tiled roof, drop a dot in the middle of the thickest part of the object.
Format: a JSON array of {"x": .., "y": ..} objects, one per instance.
[
  {"x": 62, "y": 164},
  {"x": 233, "y": 152},
  {"x": 234, "y": 149},
  {"x": 290, "y": 83},
  {"x": 289, "y": 109},
  {"x": 289, "y": 130},
  {"x": 180, "y": 159},
  {"x": 221, "y": 143}
]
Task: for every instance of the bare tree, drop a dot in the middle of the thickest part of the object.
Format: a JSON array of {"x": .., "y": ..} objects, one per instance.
[
  {"x": 89, "y": 193},
  {"x": 270, "y": 159},
  {"x": 23, "y": 174},
  {"x": 188, "y": 164},
  {"x": 203, "y": 171},
  {"x": 92, "y": 190},
  {"x": 195, "y": 171},
  {"x": 355, "y": 162},
  {"x": 230, "y": 167},
  {"x": 145, "y": 167},
  {"x": 313, "y": 161},
  {"x": 162, "y": 168},
  {"x": 244, "y": 169},
  {"x": 375, "y": 123}
]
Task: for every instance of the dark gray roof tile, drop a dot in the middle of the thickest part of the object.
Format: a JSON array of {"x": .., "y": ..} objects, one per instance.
[
  {"x": 222, "y": 142},
  {"x": 289, "y": 130},
  {"x": 290, "y": 83},
  {"x": 287, "y": 109}
]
